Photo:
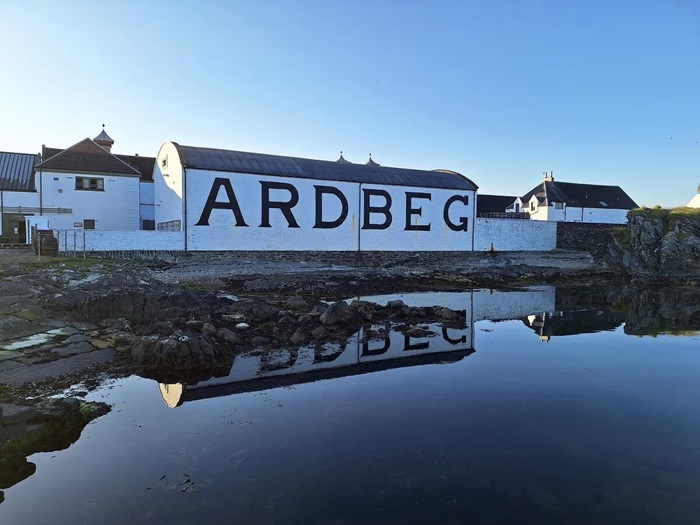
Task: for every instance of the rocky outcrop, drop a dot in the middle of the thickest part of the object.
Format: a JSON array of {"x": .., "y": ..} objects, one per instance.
[{"x": 659, "y": 245}]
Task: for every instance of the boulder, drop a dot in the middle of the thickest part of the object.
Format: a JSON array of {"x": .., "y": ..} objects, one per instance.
[
  {"x": 181, "y": 350},
  {"x": 339, "y": 313},
  {"x": 296, "y": 303}
]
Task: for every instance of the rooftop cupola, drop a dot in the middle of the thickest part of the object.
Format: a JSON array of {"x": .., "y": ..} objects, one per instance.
[
  {"x": 370, "y": 162},
  {"x": 104, "y": 140},
  {"x": 342, "y": 160}
]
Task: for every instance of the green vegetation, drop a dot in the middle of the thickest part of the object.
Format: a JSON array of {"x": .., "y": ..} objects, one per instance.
[
  {"x": 624, "y": 238},
  {"x": 657, "y": 212}
]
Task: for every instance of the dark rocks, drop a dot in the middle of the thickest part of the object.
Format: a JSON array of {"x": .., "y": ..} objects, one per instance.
[
  {"x": 181, "y": 350},
  {"x": 14, "y": 414},
  {"x": 396, "y": 305},
  {"x": 287, "y": 321},
  {"x": 296, "y": 303},
  {"x": 319, "y": 332},
  {"x": 227, "y": 336},
  {"x": 339, "y": 313},
  {"x": 259, "y": 340},
  {"x": 208, "y": 329},
  {"x": 298, "y": 338},
  {"x": 58, "y": 408}
]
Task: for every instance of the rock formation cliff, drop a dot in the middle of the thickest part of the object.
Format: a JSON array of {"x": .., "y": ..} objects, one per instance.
[{"x": 660, "y": 245}]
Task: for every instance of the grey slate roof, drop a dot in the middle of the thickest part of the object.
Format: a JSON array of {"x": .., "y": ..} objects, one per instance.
[
  {"x": 144, "y": 165},
  {"x": 264, "y": 164},
  {"x": 581, "y": 195},
  {"x": 493, "y": 203},
  {"x": 17, "y": 171},
  {"x": 87, "y": 156}
]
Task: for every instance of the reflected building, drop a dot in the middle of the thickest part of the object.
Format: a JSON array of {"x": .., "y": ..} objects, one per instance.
[
  {"x": 548, "y": 324},
  {"x": 374, "y": 348}
]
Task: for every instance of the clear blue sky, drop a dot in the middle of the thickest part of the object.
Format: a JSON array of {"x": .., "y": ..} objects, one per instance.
[{"x": 603, "y": 92}]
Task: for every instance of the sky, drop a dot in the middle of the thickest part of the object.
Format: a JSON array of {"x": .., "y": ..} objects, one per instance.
[{"x": 597, "y": 91}]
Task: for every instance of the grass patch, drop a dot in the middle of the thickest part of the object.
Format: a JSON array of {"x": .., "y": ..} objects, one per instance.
[{"x": 624, "y": 238}]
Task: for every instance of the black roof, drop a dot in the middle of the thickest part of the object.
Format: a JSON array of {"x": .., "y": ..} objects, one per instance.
[
  {"x": 17, "y": 171},
  {"x": 264, "y": 164},
  {"x": 144, "y": 165},
  {"x": 88, "y": 156},
  {"x": 493, "y": 203},
  {"x": 581, "y": 195}
]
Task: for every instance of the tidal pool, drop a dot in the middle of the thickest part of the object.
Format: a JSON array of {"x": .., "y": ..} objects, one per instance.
[{"x": 555, "y": 416}]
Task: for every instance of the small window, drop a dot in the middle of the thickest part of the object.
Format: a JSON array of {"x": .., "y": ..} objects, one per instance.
[
  {"x": 532, "y": 206},
  {"x": 90, "y": 184},
  {"x": 165, "y": 161},
  {"x": 89, "y": 224},
  {"x": 558, "y": 205},
  {"x": 149, "y": 224},
  {"x": 55, "y": 178}
]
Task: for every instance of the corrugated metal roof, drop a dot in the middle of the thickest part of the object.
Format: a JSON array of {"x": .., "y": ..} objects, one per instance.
[
  {"x": 17, "y": 171},
  {"x": 264, "y": 164}
]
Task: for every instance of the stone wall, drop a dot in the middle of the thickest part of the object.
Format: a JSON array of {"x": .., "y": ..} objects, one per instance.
[{"x": 590, "y": 237}]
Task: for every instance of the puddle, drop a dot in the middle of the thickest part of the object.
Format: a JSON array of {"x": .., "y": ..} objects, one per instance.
[{"x": 37, "y": 339}]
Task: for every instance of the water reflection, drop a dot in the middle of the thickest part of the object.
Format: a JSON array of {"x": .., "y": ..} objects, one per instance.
[{"x": 549, "y": 324}]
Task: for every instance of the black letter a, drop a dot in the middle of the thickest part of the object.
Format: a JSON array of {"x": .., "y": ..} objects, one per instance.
[{"x": 213, "y": 204}]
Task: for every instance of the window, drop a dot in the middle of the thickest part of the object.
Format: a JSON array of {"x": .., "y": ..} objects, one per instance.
[
  {"x": 532, "y": 205},
  {"x": 558, "y": 205},
  {"x": 89, "y": 224},
  {"x": 94, "y": 184},
  {"x": 149, "y": 224}
]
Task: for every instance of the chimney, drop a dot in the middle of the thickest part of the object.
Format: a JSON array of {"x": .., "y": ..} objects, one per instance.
[
  {"x": 698, "y": 189},
  {"x": 549, "y": 178}
]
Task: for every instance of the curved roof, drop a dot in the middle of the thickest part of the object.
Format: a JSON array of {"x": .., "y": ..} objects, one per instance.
[{"x": 264, "y": 164}]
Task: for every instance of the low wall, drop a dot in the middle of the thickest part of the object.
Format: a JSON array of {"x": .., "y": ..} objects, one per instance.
[
  {"x": 92, "y": 241},
  {"x": 591, "y": 237},
  {"x": 514, "y": 235}
]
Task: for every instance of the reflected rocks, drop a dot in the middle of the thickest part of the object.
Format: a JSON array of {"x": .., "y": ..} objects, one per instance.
[{"x": 657, "y": 310}]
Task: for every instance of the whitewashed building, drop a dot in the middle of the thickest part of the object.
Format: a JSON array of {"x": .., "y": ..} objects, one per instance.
[
  {"x": 233, "y": 200},
  {"x": 695, "y": 201},
  {"x": 573, "y": 202}
]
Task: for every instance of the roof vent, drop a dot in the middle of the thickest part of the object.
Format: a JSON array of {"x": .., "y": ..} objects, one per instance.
[
  {"x": 342, "y": 159},
  {"x": 370, "y": 162}
]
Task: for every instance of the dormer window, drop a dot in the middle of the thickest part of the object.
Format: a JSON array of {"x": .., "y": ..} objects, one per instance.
[{"x": 558, "y": 205}]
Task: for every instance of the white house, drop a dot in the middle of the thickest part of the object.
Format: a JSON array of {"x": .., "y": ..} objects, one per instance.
[
  {"x": 233, "y": 200},
  {"x": 695, "y": 201},
  {"x": 573, "y": 202}
]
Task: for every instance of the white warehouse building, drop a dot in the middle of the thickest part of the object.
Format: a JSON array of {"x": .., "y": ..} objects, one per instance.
[{"x": 231, "y": 200}]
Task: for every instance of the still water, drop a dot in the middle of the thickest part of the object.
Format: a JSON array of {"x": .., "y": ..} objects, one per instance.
[{"x": 530, "y": 413}]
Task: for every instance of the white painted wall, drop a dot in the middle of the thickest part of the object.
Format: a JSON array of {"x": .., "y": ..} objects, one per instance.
[
  {"x": 167, "y": 185},
  {"x": 115, "y": 208},
  {"x": 79, "y": 240},
  {"x": 514, "y": 235},
  {"x": 222, "y": 234},
  {"x": 29, "y": 199},
  {"x": 497, "y": 305},
  {"x": 572, "y": 214},
  {"x": 694, "y": 202}
]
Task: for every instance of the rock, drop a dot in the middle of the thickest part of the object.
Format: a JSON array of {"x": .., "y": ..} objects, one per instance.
[
  {"x": 319, "y": 309},
  {"x": 58, "y": 408},
  {"x": 242, "y": 326},
  {"x": 100, "y": 343},
  {"x": 209, "y": 329},
  {"x": 77, "y": 338},
  {"x": 319, "y": 332},
  {"x": 194, "y": 325},
  {"x": 232, "y": 319},
  {"x": 449, "y": 315},
  {"x": 227, "y": 336},
  {"x": 296, "y": 303},
  {"x": 297, "y": 338},
  {"x": 419, "y": 332},
  {"x": 119, "y": 323},
  {"x": 398, "y": 304},
  {"x": 338, "y": 313},
  {"x": 73, "y": 349},
  {"x": 181, "y": 350},
  {"x": 263, "y": 312},
  {"x": 287, "y": 321},
  {"x": 307, "y": 318},
  {"x": 13, "y": 414},
  {"x": 259, "y": 340}
]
